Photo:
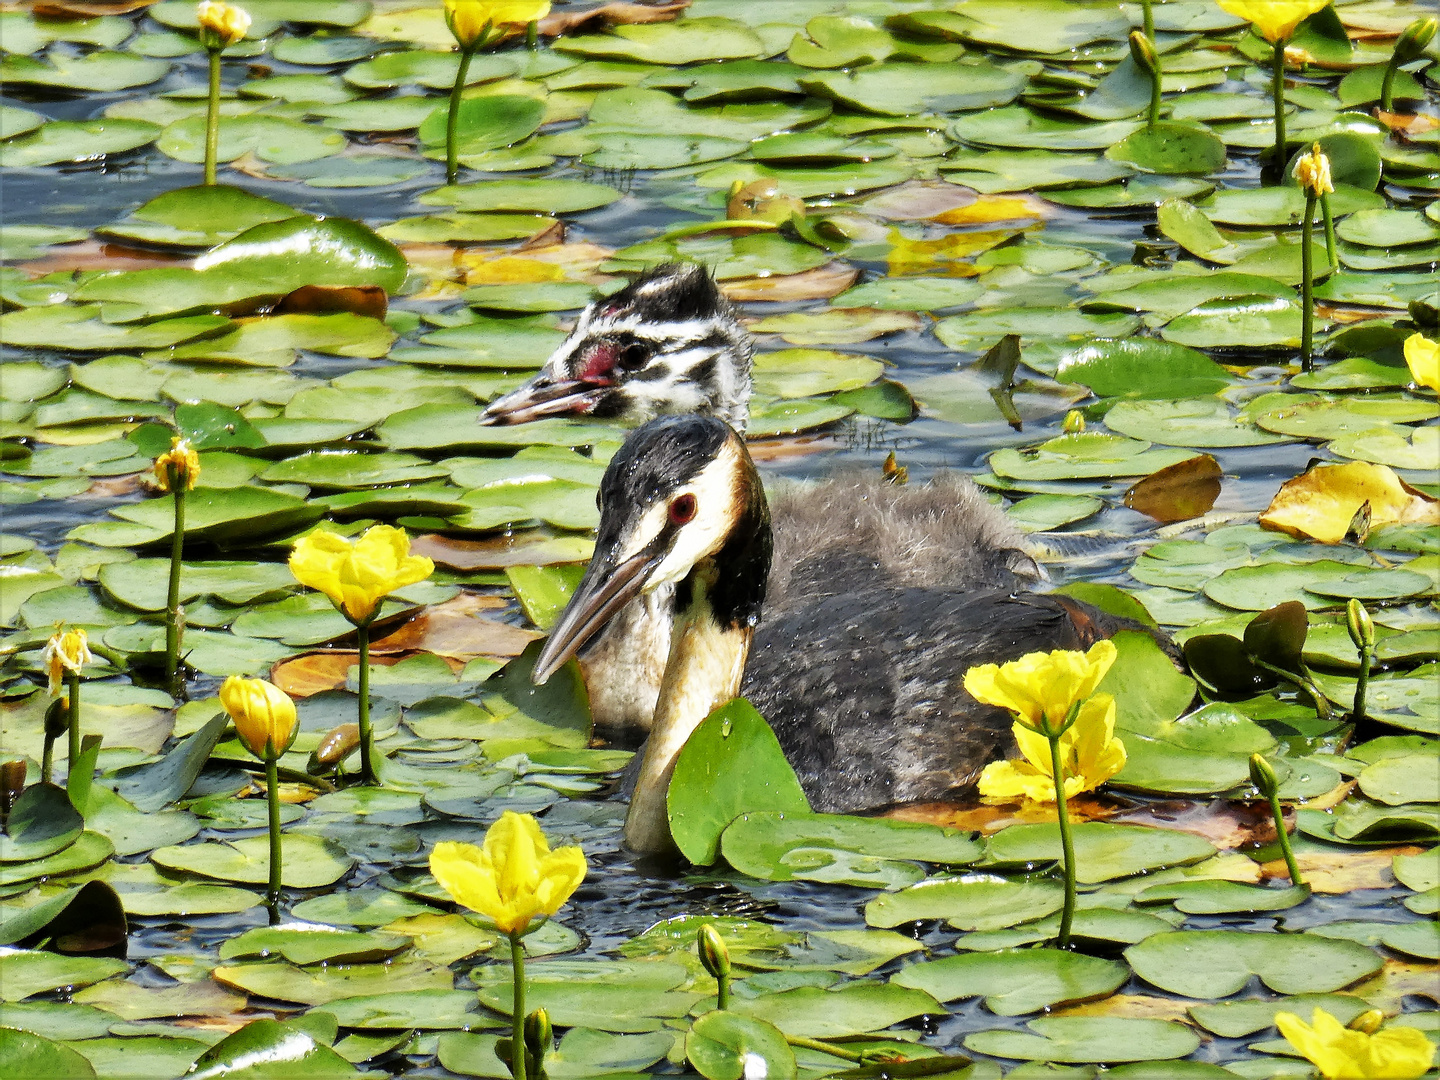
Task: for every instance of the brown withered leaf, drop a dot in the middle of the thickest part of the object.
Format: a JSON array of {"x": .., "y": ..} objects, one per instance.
[
  {"x": 310, "y": 673},
  {"x": 93, "y": 255},
  {"x": 1337, "y": 872},
  {"x": 532, "y": 547},
  {"x": 549, "y": 236},
  {"x": 1397, "y": 980},
  {"x": 1133, "y": 1006},
  {"x": 331, "y": 299},
  {"x": 457, "y": 630},
  {"x": 1321, "y": 503},
  {"x": 987, "y": 818},
  {"x": 615, "y": 13},
  {"x": 1178, "y": 492},
  {"x": 1227, "y": 825},
  {"x": 819, "y": 284}
]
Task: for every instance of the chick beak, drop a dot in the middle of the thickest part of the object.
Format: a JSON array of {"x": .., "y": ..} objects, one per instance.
[
  {"x": 602, "y": 592},
  {"x": 539, "y": 398}
]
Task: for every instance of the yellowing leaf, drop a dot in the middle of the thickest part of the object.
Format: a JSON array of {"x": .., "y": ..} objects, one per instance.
[
  {"x": 513, "y": 270},
  {"x": 1321, "y": 503},
  {"x": 990, "y": 208}
]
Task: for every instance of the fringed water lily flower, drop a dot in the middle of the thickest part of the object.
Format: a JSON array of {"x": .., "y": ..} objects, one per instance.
[
  {"x": 221, "y": 25},
  {"x": 1065, "y": 730},
  {"x": 177, "y": 468},
  {"x": 512, "y": 879},
  {"x": 65, "y": 652},
  {"x": 264, "y": 718},
  {"x": 357, "y": 575},
  {"x": 1089, "y": 752},
  {"x": 1341, "y": 1053},
  {"x": 1312, "y": 171},
  {"x": 1423, "y": 358},
  {"x": 1274, "y": 20}
]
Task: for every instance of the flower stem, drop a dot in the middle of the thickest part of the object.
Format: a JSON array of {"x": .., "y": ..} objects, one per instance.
[
  {"x": 1317, "y": 699},
  {"x": 452, "y": 164},
  {"x": 72, "y": 683},
  {"x": 517, "y": 1018},
  {"x": 1329, "y": 217},
  {"x": 1277, "y": 90},
  {"x": 272, "y": 796},
  {"x": 823, "y": 1047},
  {"x": 1067, "y": 845},
  {"x": 47, "y": 759},
  {"x": 1279, "y": 815},
  {"x": 1307, "y": 286},
  {"x": 1155, "y": 89},
  {"x": 1362, "y": 684},
  {"x": 1149, "y": 19},
  {"x": 722, "y": 994},
  {"x": 212, "y": 118},
  {"x": 1387, "y": 85},
  {"x": 532, "y": 35},
  {"x": 172, "y": 602},
  {"x": 367, "y": 765}
]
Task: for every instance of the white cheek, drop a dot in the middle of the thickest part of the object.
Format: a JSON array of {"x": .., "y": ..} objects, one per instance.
[{"x": 714, "y": 491}]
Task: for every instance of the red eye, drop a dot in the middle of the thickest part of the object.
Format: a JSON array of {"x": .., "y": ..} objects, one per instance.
[{"x": 682, "y": 509}]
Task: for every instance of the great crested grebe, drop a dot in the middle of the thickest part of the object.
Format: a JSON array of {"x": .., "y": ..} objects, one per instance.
[
  {"x": 669, "y": 343},
  {"x": 862, "y": 686}
]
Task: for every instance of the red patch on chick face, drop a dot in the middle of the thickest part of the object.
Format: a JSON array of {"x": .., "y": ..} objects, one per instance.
[{"x": 598, "y": 364}]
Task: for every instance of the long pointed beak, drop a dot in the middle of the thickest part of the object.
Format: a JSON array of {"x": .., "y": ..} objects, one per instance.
[
  {"x": 601, "y": 593},
  {"x": 535, "y": 399}
]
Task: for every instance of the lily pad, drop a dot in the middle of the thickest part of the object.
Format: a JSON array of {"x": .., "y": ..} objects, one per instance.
[
  {"x": 1087, "y": 1039},
  {"x": 757, "y": 843},
  {"x": 308, "y": 862},
  {"x": 1103, "y": 851},
  {"x": 1218, "y": 963},
  {"x": 1017, "y": 981}
]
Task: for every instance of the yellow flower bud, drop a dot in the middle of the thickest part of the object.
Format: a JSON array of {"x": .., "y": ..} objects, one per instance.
[
  {"x": 714, "y": 953},
  {"x": 1415, "y": 39},
  {"x": 221, "y": 25},
  {"x": 1369, "y": 1021},
  {"x": 1142, "y": 50},
  {"x": 1262, "y": 775},
  {"x": 264, "y": 715},
  {"x": 357, "y": 576},
  {"x": 1313, "y": 172},
  {"x": 178, "y": 467},
  {"x": 68, "y": 651},
  {"x": 514, "y": 877},
  {"x": 1358, "y": 622},
  {"x": 1074, "y": 422}
]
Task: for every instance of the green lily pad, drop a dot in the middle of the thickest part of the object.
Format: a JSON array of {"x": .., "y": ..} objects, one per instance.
[
  {"x": 308, "y": 862},
  {"x": 24, "y": 973},
  {"x": 1198, "y": 423},
  {"x": 1282, "y": 205},
  {"x": 911, "y": 294},
  {"x": 1103, "y": 851},
  {"x": 847, "y": 1009},
  {"x": 484, "y": 123},
  {"x": 103, "y": 72},
  {"x": 687, "y": 42},
  {"x": 1142, "y": 368},
  {"x": 1237, "y": 322},
  {"x": 271, "y": 138},
  {"x": 1315, "y": 416},
  {"x": 974, "y": 902},
  {"x": 722, "y": 1045},
  {"x": 81, "y": 329},
  {"x": 995, "y": 171},
  {"x": 1223, "y": 897},
  {"x": 1099, "y": 927},
  {"x": 1404, "y": 779},
  {"x": 423, "y": 1010},
  {"x": 1017, "y": 981},
  {"x": 906, "y": 89},
  {"x": 1083, "y": 456},
  {"x": 308, "y": 943},
  {"x": 524, "y": 196},
  {"x": 1255, "y": 588},
  {"x": 1170, "y": 148},
  {"x": 199, "y": 216},
  {"x": 757, "y": 843},
  {"x": 1088, "y": 1038},
  {"x": 144, "y": 583},
  {"x": 23, "y": 1053},
  {"x": 41, "y": 823},
  {"x": 1017, "y": 126},
  {"x": 1218, "y": 963},
  {"x": 268, "y": 1047},
  {"x": 84, "y": 140}
]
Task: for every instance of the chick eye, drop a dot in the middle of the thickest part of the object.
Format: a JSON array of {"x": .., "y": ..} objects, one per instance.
[
  {"x": 682, "y": 509},
  {"x": 634, "y": 355}
]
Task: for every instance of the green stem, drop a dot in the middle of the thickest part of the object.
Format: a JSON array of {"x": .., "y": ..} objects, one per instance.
[
  {"x": 1317, "y": 699},
  {"x": 1307, "y": 286},
  {"x": 72, "y": 682},
  {"x": 1362, "y": 684},
  {"x": 1330, "y": 250},
  {"x": 47, "y": 759},
  {"x": 272, "y": 796},
  {"x": 722, "y": 995},
  {"x": 824, "y": 1048},
  {"x": 1155, "y": 77},
  {"x": 1149, "y": 19},
  {"x": 517, "y": 1018},
  {"x": 367, "y": 764},
  {"x": 172, "y": 602},
  {"x": 1284, "y": 837},
  {"x": 452, "y": 164},
  {"x": 532, "y": 35},
  {"x": 212, "y": 118},
  {"x": 1387, "y": 85},
  {"x": 1067, "y": 845},
  {"x": 1277, "y": 90}
]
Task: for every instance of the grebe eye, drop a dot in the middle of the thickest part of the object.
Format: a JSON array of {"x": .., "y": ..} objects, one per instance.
[{"x": 682, "y": 509}]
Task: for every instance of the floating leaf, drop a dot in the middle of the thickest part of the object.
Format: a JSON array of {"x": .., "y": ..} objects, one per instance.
[
  {"x": 1088, "y": 1038},
  {"x": 1018, "y": 981},
  {"x": 1218, "y": 963},
  {"x": 1322, "y": 502}
]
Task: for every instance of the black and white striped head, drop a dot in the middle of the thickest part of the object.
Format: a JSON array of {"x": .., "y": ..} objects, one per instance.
[{"x": 668, "y": 343}]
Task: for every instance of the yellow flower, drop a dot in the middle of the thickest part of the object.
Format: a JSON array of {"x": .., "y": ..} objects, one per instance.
[
  {"x": 514, "y": 877},
  {"x": 1041, "y": 688},
  {"x": 1398, "y": 1053},
  {"x": 69, "y": 651},
  {"x": 264, "y": 715},
  {"x": 471, "y": 20},
  {"x": 1423, "y": 356},
  {"x": 221, "y": 25},
  {"x": 1089, "y": 752},
  {"x": 357, "y": 576},
  {"x": 1275, "y": 20},
  {"x": 181, "y": 462},
  {"x": 1313, "y": 172}
]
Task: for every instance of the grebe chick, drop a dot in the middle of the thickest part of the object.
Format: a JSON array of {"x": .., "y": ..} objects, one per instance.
[
  {"x": 670, "y": 343},
  {"x": 863, "y": 688}
]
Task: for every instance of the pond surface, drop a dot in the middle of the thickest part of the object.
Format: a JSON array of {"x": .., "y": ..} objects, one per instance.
[{"x": 968, "y": 172}]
